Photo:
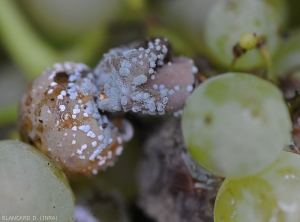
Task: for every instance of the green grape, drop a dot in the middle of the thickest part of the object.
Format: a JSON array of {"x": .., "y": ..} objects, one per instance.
[
  {"x": 271, "y": 195},
  {"x": 248, "y": 41},
  {"x": 282, "y": 8},
  {"x": 32, "y": 185},
  {"x": 191, "y": 15},
  {"x": 235, "y": 124},
  {"x": 229, "y": 19},
  {"x": 288, "y": 56}
]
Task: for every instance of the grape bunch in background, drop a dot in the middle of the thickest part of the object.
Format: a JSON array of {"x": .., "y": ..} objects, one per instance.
[{"x": 236, "y": 125}]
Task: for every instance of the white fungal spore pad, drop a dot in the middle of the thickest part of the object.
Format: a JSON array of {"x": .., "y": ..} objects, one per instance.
[
  {"x": 144, "y": 77},
  {"x": 60, "y": 117}
]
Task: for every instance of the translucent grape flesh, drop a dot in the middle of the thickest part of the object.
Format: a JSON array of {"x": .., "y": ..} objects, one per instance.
[
  {"x": 235, "y": 124},
  {"x": 271, "y": 195}
]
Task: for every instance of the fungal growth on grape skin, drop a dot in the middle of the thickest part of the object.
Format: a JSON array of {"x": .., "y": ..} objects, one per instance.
[
  {"x": 144, "y": 77},
  {"x": 59, "y": 116},
  {"x": 64, "y": 111}
]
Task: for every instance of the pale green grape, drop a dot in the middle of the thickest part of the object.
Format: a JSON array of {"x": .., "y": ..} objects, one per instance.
[
  {"x": 288, "y": 57},
  {"x": 229, "y": 19},
  {"x": 248, "y": 41},
  {"x": 190, "y": 14},
  {"x": 282, "y": 8},
  {"x": 32, "y": 185},
  {"x": 271, "y": 195},
  {"x": 235, "y": 124}
]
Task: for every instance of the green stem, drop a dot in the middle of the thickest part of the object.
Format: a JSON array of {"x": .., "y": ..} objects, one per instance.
[
  {"x": 268, "y": 61},
  {"x": 22, "y": 42},
  {"x": 232, "y": 65}
]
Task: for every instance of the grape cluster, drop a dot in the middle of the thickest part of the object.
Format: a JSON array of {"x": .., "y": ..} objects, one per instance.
[
  {"x": 238, "y": 124},
  {"x": 74, "y": 114}
]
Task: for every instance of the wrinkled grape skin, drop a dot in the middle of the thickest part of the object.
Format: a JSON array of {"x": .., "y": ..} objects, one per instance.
[
  {"x": 235, "y": 124},
  {"x": 229, "y": 19},
  {"x": 271, "y": 195},
  {"x": 31, "y": 184}
]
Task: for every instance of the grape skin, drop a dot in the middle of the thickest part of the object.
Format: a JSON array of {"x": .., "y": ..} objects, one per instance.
[
  {"x": 32, "y": 185},
  {"x": 191, "y": 15},
  {"x": 288, "y": 56},
  {"x": 235, "y": 124},
  {"x": 282, "y": 8},
  {"x": 271, "y": 195},
  {"x": 229, "y": 19},
  {"x": 248, "y": 41}
]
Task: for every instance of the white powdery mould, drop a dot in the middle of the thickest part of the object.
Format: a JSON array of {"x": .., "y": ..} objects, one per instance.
[
  {"x": 139, "y": 80},
  {"x": 122, "y": 78},
  {"x": 74, "y": 128}
]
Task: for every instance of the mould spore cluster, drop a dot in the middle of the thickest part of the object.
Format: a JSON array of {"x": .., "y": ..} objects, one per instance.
[
  {"x": 144, "y": 77},
  {"x": 63, "y": 112},
  {"x": 60, "y": 117}
]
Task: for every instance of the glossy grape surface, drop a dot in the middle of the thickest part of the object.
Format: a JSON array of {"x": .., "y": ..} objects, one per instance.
[
  {"x": 235, "y": 124},
  {"x": 271, "y": 195}
]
